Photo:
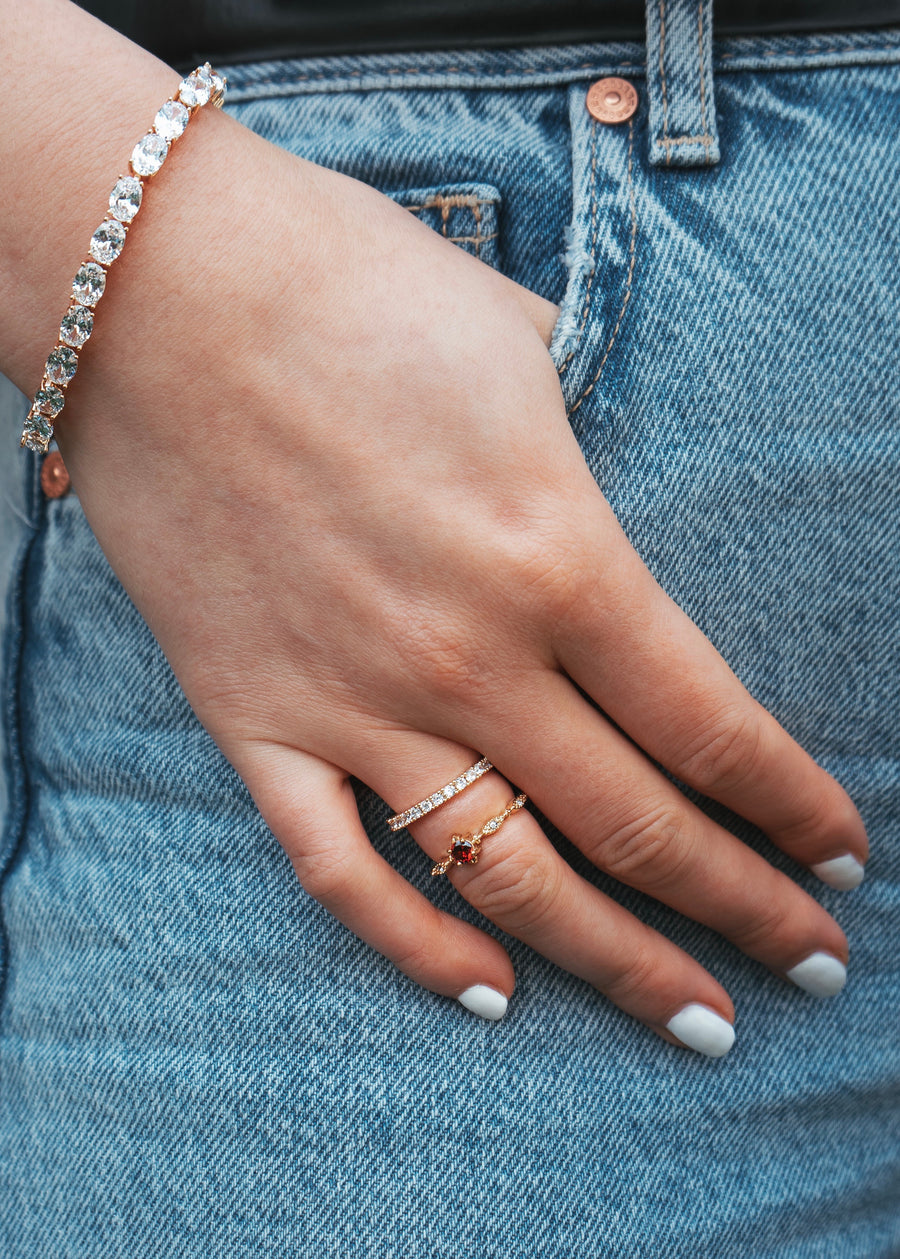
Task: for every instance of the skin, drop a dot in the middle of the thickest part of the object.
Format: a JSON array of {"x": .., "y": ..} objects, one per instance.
[{"x": 327, "y": 455}]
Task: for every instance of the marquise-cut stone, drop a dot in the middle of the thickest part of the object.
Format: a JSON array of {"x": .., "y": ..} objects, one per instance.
[
  {"x": 89, "y": 283},
  {"x": 197, "y": 88},
  {"x": 49, "y": 401},
  {"x": 62, "y": 365},
  {"x": 107, "y": 241},
  {"x": 125, "y": 198},
  {"x": 37, "y": 432},
  {"x": 171, "y": 120},
  {"x": 77, "y": 325},
  {"x": 149, "y": 154}
]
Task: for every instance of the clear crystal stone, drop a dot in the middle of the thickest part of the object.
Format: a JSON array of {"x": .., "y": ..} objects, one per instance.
[
  {"x": 107, "y": 241},
  {"x": 218, "y": 85},
  {"x": 414, "y": 813},
  {"x": 37, "y": 432},
  {"x": 171, "y": 120},
  {"x": 437, "y": 798},
  {"x": 77, "y": 325},
  {"x": 149, "y": 154},
  {"x": 426, "y": 806},
  {"x": 49, "y": 401},
  {"x": 61, "y": 365},
  {"x": 459, "y": 783},
  {"x": 471, "y": 775},
  {"x": 89, "y": 283},
  {"x": 197, "y": 88},
  {"x": 125, "y": 198},
  {"x": 449, "y": 791}
]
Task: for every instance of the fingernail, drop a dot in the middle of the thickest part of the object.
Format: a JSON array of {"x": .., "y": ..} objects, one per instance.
[
  {"x": 700, "y": 1028},
  {"x": 843, "y": 873},
  {"x": 487, "y": 1002},
  {"x": 820, "y": 973}
]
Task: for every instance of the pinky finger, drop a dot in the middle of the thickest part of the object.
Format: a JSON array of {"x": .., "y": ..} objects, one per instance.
[{"x": 311, "y": 810}]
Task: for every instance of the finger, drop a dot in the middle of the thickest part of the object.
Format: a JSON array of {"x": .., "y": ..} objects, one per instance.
[
  {"x": 310, "y": 808},
  {"x": 522, "y": 884},
  {"x": 632, "y": 822},
  {"x": 647, "y": 665}
]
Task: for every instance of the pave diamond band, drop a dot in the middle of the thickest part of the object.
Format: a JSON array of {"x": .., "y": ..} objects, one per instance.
[
  {"x": 201, "y": 87},
  {"x": 435, "y": 801}
]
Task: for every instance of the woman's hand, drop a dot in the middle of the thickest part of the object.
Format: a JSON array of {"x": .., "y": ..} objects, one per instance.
[{"x": 327, "y": 454}]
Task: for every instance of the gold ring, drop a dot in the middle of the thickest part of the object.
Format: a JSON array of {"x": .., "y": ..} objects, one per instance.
[{"x": 465, "y": 849}]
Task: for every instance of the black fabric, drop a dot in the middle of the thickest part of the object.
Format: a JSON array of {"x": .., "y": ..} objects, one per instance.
[{"x": 186, "y": 32}]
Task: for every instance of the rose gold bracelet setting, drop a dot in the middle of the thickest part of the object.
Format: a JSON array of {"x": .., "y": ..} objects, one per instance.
[{"x": 203, "y": 86}]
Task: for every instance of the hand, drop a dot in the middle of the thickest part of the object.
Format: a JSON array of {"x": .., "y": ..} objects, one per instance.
[{"x": 335, "y": 474}]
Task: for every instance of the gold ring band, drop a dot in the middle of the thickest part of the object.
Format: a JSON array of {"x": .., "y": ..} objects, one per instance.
[
  {"x": 399, "y": 820},
  {"x": 465, "y": 849}
]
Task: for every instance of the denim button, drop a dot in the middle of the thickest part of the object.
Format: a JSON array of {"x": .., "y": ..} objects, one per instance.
[
  {"x": 611, "y": 100},
  {"x": 55, "y": 479}
]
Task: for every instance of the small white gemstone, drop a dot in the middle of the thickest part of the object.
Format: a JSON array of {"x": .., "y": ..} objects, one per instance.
[
  {"x": 471, "y": 775},
  {"x": 49, "y": 401},
  {"x": 37, "y": 432},
  {"x": 171, "y": 120},
  {"x": 219, "y": 83},
  {"x": 449, "y": 791},
  {"x": 197, "y": 88},
  {"x": 125, "y": 198},
  {"x": 426, "y": 806},
  {"x": 149, "y": 154},
  {"x": 437, "y": 798},
  {"x": 414, "y": 813},
  {"x": 459, "y": 783},
  {"x": 77, "y": 325},
  {"x": 492, "y": 825},
  {"x": 89, "y": 283},
  {"x": 61, "y": 365},
  {"x": 107, "y": 241}
]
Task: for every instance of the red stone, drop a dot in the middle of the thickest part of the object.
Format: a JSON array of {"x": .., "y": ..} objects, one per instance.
[{"x": 462, "y": 850}]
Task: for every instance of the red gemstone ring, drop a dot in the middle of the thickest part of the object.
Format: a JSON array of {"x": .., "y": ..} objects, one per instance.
[{"x": 465, "y": 849}]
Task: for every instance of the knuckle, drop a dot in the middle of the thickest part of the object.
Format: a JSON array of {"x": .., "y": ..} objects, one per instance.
[
  {"x": 761, "y": 929},
  {"x": 637, "y": 980},
  {"x": 726, "y": 755},
  {"x": 517, "y": 892},
  {"x": 448, "y": 663},
  {"x": 649, "y": 851}
]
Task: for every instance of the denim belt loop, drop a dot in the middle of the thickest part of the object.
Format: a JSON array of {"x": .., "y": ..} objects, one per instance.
[{"x": 680, "y": 83}]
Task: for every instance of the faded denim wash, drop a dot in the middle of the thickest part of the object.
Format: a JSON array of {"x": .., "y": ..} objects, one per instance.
[{"x": 196, "y": 1059}]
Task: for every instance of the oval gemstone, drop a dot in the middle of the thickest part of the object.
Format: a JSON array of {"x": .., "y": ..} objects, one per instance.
[
  {"x": 149, "y": 154},
  {"x": 89, "y": 283},
  {"x": 62, "y": 365},
  {"x": 37, "y": 432},
  {"x": 49, "y": 401},
  {"x": 77, "y": 325},
  {"x": 107, "y": 241},
  {"x": 197, "y": 88},
  {"x": 125, "y": 198},
  {"x": 171, "y": 120}
]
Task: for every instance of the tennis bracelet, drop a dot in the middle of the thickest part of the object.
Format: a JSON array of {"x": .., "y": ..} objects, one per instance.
[{"x": 202, "y": 86}]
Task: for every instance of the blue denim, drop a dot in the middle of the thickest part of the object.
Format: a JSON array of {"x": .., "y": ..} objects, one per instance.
[{"x": 196, "y": 1059}]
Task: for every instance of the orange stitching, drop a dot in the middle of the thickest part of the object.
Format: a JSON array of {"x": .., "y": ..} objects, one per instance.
[
  {"x": 475, "y": 240},
  {"x": 704, "y": 139},
  {"x": 702, "y": 70},
  {"x": 587, "y": 292},
  {"x": 662, "y": 70},
  {"x": 476, "y": 210},
  {"x": 454, "y": 199},
  {"x": 630, "y": 277}
]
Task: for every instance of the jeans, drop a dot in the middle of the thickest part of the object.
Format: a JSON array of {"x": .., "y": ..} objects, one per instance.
[{"x": 196, "y": 1059}]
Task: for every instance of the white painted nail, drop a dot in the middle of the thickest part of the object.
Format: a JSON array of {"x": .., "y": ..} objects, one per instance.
[
  {"x": 700, "y": 1028},
  {"x": 487, "y": 1002},
  {"x": 822, "y": 974},
  {"x": 843, "y": 873}
]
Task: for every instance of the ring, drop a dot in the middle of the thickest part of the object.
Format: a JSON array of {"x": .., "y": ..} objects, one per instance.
[
  {"x": 465, "y": 849},
  {"x": 399, "y": 820}
]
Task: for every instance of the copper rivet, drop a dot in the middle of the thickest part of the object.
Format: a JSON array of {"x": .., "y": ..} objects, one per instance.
[
  {"x": 55, "y": 479},
  {"x": 611, "y": 100}
]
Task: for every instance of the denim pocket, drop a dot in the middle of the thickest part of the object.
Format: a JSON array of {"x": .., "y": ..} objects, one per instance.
[
  {"x": 464, "y": 213},
  {"x": 599, "y": 249}
]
